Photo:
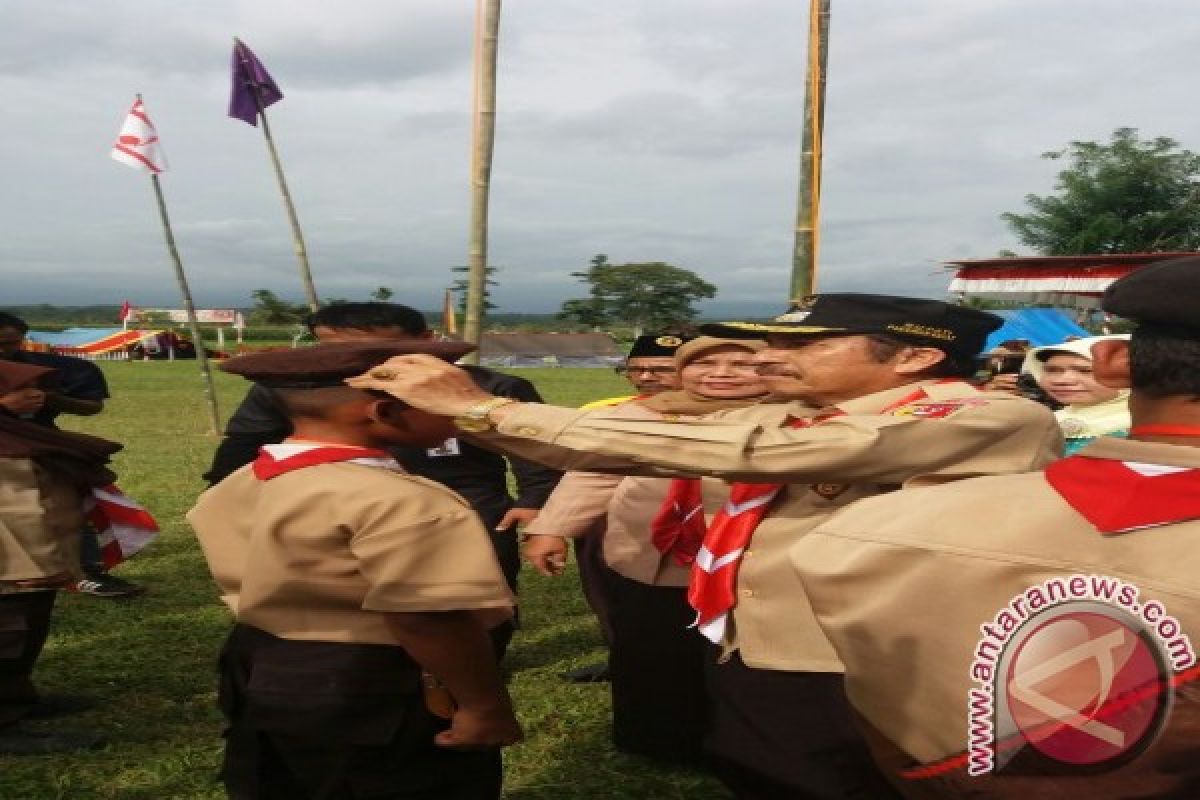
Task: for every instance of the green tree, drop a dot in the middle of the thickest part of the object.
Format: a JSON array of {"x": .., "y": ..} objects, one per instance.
[
  {"x": 460, "y": 288},
  {"x": 1126, "y": 196},
  {"x": 270, "y": 310},
  {"x": 383, "y": 294},
  {"x": 651, "y": 295}
]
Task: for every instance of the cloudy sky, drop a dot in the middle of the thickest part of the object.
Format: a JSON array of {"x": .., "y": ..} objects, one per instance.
[{"x": 650, "y": 130}]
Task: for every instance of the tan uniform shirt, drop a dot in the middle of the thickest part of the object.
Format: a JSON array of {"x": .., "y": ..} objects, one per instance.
[
  {"x": 40, "y": 520},
  {"x": 863, "y": 453},
  {"x": 621, "y": 508},
  {"x": 325, "y": 552},
  {"x": 902, "y": 585}
]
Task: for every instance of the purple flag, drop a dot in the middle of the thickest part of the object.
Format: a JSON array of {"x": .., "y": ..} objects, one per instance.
[{"x": 250, "y": 77}]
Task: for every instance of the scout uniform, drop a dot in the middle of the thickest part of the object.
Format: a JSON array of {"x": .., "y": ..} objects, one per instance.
[
  {"x": 778, "y": 712},
  {"x": 657, "y": 673},
  {"x": 589, "y": 545},
  {"x": 912, "y": 589},
  {"x": 44, "y": 474},
  {"x": 312, "y": 548}
]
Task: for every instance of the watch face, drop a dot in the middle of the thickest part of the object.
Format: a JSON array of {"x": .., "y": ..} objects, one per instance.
[{"x": 471, "y": 425}]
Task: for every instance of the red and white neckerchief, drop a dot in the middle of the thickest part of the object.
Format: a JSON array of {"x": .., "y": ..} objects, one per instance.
[
  {"x": 679, "y": 526},
  {"x": 277, "y": 459},
  {"x": 714, "y": 572},
  {"x": 1122, "y": 496},
  {"x": 122, "y": 526}
]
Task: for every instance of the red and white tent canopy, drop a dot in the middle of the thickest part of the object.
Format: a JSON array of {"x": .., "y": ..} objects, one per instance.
[{"x": 1074, "y": 281}]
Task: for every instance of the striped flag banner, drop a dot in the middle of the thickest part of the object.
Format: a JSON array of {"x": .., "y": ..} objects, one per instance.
[
  {"x": 122, "y": 526},
  {"x": 137, "y": 144}
]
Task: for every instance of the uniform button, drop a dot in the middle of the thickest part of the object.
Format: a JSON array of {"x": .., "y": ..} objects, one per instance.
[
  {"x": 747, "y": 593},
  {"x": 528, "y": 431},
  {"x": 747, "y": 554}
]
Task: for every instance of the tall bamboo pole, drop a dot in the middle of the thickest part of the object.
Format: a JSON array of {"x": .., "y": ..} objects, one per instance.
[
  {"x": 808, "y": 207},
  {"x": 298, "y": 246},
  {"x": 487, "y": 30},
  {"x": 210, "y": 393}
]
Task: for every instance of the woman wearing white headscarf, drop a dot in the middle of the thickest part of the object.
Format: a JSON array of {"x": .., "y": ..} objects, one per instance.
[{"x": 1090, "y": 409}]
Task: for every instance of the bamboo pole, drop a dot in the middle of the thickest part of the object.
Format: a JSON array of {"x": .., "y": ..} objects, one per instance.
[
  {"x": 298, "y": 246},
  {"x": 808, "y": 206},
  {"x": 487, "y": 30},
  {"x": 210, "y": 392}
]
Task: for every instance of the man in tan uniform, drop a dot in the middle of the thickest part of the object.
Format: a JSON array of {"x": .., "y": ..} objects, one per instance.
[
  {"x": 874, "y": 406},
  {"x": 352, "y": 583},
  {"x": 1033, "y": 636}
]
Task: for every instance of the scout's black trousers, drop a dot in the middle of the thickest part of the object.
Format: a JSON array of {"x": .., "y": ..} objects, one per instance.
[
  {"x": 332, "y": 721},
  {"x": 657, "y": 665},
  {"x": 787, "y": 736},
  {"x": 24, "y": 626}
]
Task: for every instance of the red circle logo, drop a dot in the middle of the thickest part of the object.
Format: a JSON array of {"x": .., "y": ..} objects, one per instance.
[{"x": 1085, "y": 688}]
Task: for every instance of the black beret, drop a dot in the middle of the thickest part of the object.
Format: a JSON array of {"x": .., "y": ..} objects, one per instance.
[
  {"x": 1164, "y": 293},
  {"x": 326, "y": 365},
  {"x": 657, "y": 345},
  {"x": 956, "y": 330}
]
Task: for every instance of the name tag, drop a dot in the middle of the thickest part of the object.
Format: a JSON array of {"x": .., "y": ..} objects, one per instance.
[{"x": 446, "y": 448}]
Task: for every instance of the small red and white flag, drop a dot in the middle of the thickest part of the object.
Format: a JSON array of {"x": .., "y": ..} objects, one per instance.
[
  {"x": 137, "y": 144},
  {"x": 126, "y": 312},
  {"x": 122, "y": 526}
]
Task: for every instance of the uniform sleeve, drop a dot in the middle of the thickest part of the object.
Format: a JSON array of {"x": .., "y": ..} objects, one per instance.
[
  {"x": 83, "y": 381},
  {"x": 577, "y": 506},
  {"x": 987, "y": 437},
  {"x": 421, "y": 549},
  {"x": 534, "y": 481}
]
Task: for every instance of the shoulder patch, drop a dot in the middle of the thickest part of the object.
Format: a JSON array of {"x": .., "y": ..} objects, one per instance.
[{"x": 938, "y": 410}]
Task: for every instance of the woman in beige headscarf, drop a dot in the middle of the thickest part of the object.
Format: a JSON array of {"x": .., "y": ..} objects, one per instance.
[
  {"x": 1090, "y": 409},
  {"x": 652, "y": 530}
]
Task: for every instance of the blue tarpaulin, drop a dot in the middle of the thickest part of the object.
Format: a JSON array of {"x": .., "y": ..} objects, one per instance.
[{"x": 1041, "y": 326}]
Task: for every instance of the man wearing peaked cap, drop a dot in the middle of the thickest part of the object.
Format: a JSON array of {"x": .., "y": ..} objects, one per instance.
[
  {"x": 1094, "y": 693},
  {"x": 870, "y": 398},
  {"x": 353, "y": 585}
]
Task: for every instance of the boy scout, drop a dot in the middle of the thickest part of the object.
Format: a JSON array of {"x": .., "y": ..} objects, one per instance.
[
  {"x": 479, "y": 475},
  {"x": 920, "y": 592},
  {"x": 875, "y": 404},
  {"x": 348, "y": 577}
]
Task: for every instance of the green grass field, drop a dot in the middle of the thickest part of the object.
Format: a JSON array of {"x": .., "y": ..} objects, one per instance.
[{"x": 149, "y": 661}]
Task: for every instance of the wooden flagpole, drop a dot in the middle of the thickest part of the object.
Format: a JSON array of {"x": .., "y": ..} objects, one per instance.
[
  {"x": 808, "y": 206},
  {"x": 210, "y": 392},
  {"x": 487, "y": 30},
  {"x": 310, "y": 290}
]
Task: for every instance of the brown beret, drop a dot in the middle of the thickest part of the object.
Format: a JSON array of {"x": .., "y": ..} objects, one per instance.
[
  {"x": 16, "y": 375},
  {"x": 1163, "y": 293},
  {"x": 326, "y": 365}
]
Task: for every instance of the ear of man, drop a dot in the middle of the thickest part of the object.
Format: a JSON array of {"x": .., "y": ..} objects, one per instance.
[
  {"x": 1110, "y": 363},
  {"x": 917, "y": 361}
]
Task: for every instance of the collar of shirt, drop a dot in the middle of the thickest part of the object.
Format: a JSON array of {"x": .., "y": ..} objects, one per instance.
[{"x": 278, "y": 459}]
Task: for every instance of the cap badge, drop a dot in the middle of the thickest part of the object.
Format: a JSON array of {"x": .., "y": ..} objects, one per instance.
[{"x": 668, "y": 341}]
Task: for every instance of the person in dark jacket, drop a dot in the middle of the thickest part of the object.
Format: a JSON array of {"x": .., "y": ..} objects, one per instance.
[{"x": 479, "y": 475}]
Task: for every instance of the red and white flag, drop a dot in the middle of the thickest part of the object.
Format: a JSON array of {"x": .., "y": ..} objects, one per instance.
[
  {"x": 122, "y": 526},
  {"x": 126, "y": 312},
  {"x": 137, "y": 144}
]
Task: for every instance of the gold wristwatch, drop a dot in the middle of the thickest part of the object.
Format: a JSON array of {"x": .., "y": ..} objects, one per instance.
[{"x": 476, "y": 419}]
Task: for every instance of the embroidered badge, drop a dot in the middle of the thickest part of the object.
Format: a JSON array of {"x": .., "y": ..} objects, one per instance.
[
  {"x": 829, "y": 491},
  {"x": 914, "y": 329},
  {"x": 668, "y": 341},
  {"x": 935, "y": 410}
]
